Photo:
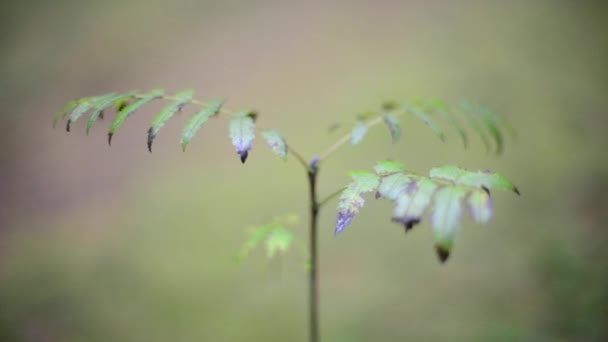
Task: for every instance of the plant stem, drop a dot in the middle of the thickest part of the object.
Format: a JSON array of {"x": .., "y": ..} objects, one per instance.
[{"x": 313, "y": 297}]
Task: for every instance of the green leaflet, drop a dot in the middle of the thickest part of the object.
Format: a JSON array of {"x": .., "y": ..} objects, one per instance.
[
  {"x": 487, "y": 121},
  {"x": 358, "y": 133},
  {"x": 480, "y": 206},
  {"x": 351, "y": 199},
  {"x": 102, "y": 105},
  {"x": 131, "y": 108},
  {"x": 278, "y": 240},
  {"x": 276, "y": 142},
  {"x": 411, "y": 206},
  {"x": 242, "y": 133},
  {"x": 427, "y": 120},
  {"x": 198, "y": 119},
  {"x": 181, "y": 99},
  {"x": 445, "y": 219},
  {"x": 392, "y": 122},
  {"x": 68, "y": 108},
  {"x": 475, "y": 125},
  {"x": 85, "y": 106},
  {"x": 439, "y": 107},
  {"x": 478, "y": 179},
  {"x": 388, "y": 166}
]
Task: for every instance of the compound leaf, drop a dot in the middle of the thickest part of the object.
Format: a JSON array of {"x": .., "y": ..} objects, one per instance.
[
  {"x": 276, "y": 142},
  {"x": 358, "y": 132},
  {"x": 130, "y": 109},
  {"x": 198, "y": 119},
  {"x": 181, "y": 99},
  {"x": 351, "y": 199},
  {"x": 242, "y": 133}
]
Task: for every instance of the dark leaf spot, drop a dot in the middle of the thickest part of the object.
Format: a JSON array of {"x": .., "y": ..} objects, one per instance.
[
  {"x": 151, "y": 137},
  {"x": 243, "y": 155},
  {"x": 67, "y": 126},
  {"x": 110, "y": 135},
  {"x": 442, "y": 253}
]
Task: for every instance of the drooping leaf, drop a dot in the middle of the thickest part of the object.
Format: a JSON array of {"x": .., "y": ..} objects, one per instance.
[
  {"x": 440, "y": 107},
  {"x": 102, "y": 105},
  {"x": 84, "y": 107},
  {"x": 445, "y": 219},
  {"x": 278, "y": 240},
  {"x": 242, "y": 133},
  {"x": 427, "y": 120},
  {"x": 388, "y": 166},
  {"x": 475, "y": 125},
  {"x": 351, "y": 199},
  {"x": 198, "y": 119},
  {"x": 276, "y": 142},
  {"x": 130, "y": 109},
  {"x": 480, "y": 206},
  {"x": 358, "y": 132},
  {"x": 487, "y": 121},
  {"x": 392, "y": 122},
  {"x": 478, "y": 179},
  {"x": 181, "y": 99},
  {"x": 65, "y": 110},
  {"x": 411, "y": 205}
]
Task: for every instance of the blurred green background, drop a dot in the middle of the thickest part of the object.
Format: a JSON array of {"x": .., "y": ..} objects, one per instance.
[{"x": 100, "y": 244}]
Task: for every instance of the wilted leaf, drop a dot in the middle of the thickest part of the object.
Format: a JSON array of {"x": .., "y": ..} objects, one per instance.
[
  {"x": 351, "y": 199},
  {"x": 358, "y": 132},
  {"x": 181, "y": 99},
  {"x": 198, "y": 119},
  {"x": 276, "y": 142},
  {"x": 445, "y": 219},
  {"x": 242, "y": 133},
  {"x": 411, "y": 205},
  {"x": 392, "y": 186}
]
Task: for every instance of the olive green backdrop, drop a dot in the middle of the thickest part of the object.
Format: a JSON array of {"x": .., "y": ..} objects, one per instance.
[{"x": 116, "y": 244}]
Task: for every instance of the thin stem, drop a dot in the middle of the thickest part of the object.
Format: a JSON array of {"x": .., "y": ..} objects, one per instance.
[
  {"x": 343, "y": 140},
  {"x": 298, "y": 157},
  {"x": 330, "y": 197},
  {"x": 313, "y": 296}
]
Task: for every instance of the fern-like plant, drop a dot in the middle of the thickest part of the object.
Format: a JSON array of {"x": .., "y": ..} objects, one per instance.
[{"x": 445, "y": 191}]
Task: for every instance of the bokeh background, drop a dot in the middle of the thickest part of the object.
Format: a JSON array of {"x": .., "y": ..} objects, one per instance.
[{"x": 116, "y": 244}]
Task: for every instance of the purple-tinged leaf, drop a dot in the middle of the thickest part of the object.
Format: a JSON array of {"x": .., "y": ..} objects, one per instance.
[
  {"x": 242, "y": 133},
  {"x": 413, "y": 203},
  {"x": 392, "y": 122},
  {"x": 276, "y": 142},
  {"x": 358, "y": 132},
  {"x": 480, "y": 206},
  {"x": 351, "y": 199},
  {"x": 392, "y": 186}
]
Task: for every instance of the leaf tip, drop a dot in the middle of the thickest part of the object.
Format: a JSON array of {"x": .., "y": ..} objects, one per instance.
[
  {"x": 342, "y": 221},
  {"x": 151, "y": 137},
  {"x": 68, "y": 125},
  {"x": 442, "y": 253},
  {"x": 516, "y": 190},
  {"x": 110, "y": 135},
  {"x": 243, "y": 155}
]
